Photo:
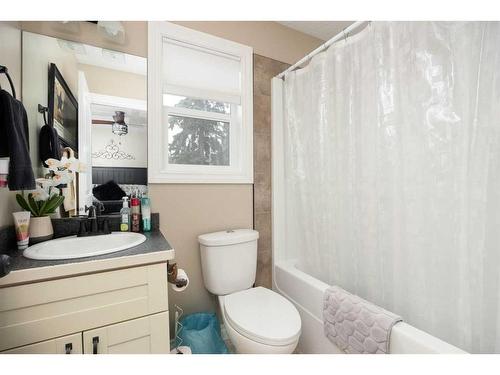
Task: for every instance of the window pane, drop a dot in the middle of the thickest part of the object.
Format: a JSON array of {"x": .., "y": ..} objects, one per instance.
[
  {"x": 197, "y": 141},
  {"x": 194, "y": 103}
]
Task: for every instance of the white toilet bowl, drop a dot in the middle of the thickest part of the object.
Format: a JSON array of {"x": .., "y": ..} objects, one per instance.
[
  {"x": 260, "y": 321},
  {"x": 257, "y": 320}
]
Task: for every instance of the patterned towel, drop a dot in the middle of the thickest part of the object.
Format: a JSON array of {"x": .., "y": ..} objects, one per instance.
[{"x": 355, "y": 325}]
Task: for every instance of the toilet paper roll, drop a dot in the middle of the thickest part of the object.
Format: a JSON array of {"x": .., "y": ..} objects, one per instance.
[{"x": 181, "y": 275}]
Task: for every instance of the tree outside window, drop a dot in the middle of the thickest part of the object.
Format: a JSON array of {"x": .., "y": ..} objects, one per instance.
[{"x": 199, "y": 141}]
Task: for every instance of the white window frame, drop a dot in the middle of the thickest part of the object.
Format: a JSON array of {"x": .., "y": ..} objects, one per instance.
[{"x": 241, "y": 129}]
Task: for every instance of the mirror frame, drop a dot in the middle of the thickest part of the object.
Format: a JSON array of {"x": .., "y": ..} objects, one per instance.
[{"x": 54, "y": 74}]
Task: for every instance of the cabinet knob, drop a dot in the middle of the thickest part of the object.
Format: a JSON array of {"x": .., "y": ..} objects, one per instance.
[
  {"x": 68, "y": 348},
  {"x": 95, "y": 342}
]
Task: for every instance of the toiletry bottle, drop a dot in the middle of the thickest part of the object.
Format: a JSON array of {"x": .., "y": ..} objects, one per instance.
[
  {"x": 135, "y": 215},
  {"x": 125, "y": 216},
  {"x": 146, "y": 214}
]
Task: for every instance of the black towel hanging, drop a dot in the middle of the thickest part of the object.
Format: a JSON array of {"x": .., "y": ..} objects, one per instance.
[
  {"x": 4, "y": 70},
  {"x": 14, "y": 142}
]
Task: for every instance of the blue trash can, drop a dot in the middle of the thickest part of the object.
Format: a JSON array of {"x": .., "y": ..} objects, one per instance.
[{"x": 201, "y": 332}]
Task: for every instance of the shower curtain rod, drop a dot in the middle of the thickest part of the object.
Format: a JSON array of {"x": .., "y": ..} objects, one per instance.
[{"x": 343, "y": 34}]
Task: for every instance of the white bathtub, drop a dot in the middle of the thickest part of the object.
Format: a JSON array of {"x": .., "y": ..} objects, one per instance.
[{"x": 306, "y": 293}]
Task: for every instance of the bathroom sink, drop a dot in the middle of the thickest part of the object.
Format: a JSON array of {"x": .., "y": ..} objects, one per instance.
[{"x": 81, "y": 247}]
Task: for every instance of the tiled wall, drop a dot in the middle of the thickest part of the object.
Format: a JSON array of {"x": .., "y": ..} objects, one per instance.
[{"x": 264, "y": 69}]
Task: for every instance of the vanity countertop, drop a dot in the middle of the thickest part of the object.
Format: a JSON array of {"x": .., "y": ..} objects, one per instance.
[{"x": 155, "y": 249}]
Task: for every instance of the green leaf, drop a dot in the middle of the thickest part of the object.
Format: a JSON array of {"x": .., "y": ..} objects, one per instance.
[
  {"x": 50, "y": 206},
  {"x": 22, "y": 202},
  {"x": 33, "y": 205},
  {"x": 43, "y": 207},
  {"x": 54, "y": 202}
]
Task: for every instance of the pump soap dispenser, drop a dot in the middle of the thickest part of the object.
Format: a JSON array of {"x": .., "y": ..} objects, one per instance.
[{"x": 125, "y": 216}]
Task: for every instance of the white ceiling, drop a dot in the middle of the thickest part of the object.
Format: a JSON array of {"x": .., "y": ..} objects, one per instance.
[
  {"x": 133, "y": 117},
  {"x": 323, "y": 30}
]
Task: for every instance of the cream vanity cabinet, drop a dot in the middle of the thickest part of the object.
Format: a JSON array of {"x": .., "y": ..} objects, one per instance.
[
  {"x": 71, "y": 344},
  {"x": 120, "y": 311}
]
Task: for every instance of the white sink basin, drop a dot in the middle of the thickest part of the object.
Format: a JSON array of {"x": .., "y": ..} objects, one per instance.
[{"x": 81, "y": 247}]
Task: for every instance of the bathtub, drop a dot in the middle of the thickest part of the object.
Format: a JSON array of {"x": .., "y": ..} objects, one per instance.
[{"x": 306, "y": 293}]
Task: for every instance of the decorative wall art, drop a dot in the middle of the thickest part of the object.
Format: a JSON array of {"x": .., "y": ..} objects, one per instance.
[{"x": 112, "y": 151}]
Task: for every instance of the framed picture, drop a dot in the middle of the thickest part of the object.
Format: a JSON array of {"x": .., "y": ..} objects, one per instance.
[{"x": 63, "y": 109}]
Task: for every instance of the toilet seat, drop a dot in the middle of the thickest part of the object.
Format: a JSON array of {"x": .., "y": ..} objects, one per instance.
[{"x": 263, "y": 316}]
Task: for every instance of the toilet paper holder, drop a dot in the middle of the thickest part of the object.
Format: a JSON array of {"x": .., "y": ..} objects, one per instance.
[{"x": 176, "y": 276}]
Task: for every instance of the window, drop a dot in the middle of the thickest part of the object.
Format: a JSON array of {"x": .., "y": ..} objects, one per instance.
[
  {"x": 200, "y": 107},
  {"x": 198, "y": 141},
  {"x": 199, "y": 130}
]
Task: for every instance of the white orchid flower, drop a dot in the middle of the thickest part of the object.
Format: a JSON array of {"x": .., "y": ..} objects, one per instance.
[
  {"x": 40, "y": 194},
  {"x": 44, "y": 183},
  {"x": 55, "y": 191},
  {"x": 74, "y": 165},
  {"x": 64, "y": 163},
  {"x": 53, "y": 164},
  {"x": 62, "y": 177}
]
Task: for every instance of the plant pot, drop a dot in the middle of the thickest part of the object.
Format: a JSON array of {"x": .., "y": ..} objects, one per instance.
[{"x": 40, "y": 229}]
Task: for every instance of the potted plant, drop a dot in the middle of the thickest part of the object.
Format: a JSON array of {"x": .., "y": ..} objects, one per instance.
[{"x": 46, "y": 198}]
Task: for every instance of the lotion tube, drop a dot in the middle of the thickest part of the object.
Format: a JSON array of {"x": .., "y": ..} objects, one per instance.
[{"x": 22, "y": 223}]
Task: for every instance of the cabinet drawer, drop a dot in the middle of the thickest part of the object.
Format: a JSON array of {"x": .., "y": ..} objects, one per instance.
[
  {"x": 71, "y": 344},
  {"x": 146, "y": 335},
  {"x": 37, "y": 312}
]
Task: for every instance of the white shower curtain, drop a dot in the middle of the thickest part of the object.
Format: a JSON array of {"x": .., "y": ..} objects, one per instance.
[{"x": 392, "y": 165}]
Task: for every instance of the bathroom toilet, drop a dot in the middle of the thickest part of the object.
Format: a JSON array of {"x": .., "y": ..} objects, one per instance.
[{"x": 257, "y": 320}]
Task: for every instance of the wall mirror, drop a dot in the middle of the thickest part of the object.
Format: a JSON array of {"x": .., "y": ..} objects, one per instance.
[{"x": 96, "y": 101}]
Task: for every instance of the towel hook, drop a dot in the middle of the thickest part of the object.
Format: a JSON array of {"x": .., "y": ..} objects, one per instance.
[
  {"x": 43, "y": 110},
  {"x": 4, "y": 70}
]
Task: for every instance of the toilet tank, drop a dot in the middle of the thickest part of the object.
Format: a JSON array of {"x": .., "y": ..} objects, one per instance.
[{"x": 229, "y": 260}]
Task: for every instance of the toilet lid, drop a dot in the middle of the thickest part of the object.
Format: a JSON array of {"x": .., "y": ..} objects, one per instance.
[{"x": 263, "y": 316}]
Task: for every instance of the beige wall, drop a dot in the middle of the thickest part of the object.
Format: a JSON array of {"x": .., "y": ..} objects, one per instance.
[
  {"x": 187, "y": 211},
  {"x": 269, "y": 39},
  {"x": 10, "y": 56}
]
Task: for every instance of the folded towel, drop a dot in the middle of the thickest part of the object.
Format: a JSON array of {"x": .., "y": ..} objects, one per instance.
[
  {"x": 109, "y": 191},
  {"x": 355, "y": 325},
  {"x": 69, "y": 192},
  {"x": 14, "y": 142}
]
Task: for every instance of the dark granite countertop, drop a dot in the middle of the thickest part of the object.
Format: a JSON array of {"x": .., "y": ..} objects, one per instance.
[
  {"x": 154, "y": 242},
  {"x": 155, "y": 249}
]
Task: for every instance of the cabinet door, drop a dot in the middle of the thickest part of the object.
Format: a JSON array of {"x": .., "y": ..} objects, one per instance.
[
  {"x": 138, "y": 336},
  {"x": 71, "y": 344}
]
